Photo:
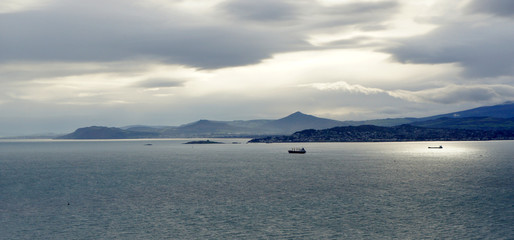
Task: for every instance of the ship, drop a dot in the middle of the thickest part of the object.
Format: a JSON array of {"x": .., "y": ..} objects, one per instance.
[
  {"x": 436, "y": 147},
  {"x": 297, "y": 150}
]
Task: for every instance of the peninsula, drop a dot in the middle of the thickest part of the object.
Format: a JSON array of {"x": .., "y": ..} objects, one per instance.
[{"x": 402, "y": 133}]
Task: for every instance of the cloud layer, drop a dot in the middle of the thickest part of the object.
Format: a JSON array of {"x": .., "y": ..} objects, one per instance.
[
  {"x": 482, "y": 49},
  {"x": 98, "y": 34},
  {"x": 232, "y": 33},
  {"x": 116, "y": 62}
]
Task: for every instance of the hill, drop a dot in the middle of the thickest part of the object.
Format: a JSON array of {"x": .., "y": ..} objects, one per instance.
[
  {"x": 505, "y": 110},
  {"x": 251, "y": 128},
  {"x": 370, "y": 133},
  {"x": 487, "y": 117},
  {"x": 299, "y": 121},
  {"x": 96, "y": 132},
  {"x": 206, "y": 128},
  {"x": 476, "y": 123},
  {"x": 498, "y": 117}
]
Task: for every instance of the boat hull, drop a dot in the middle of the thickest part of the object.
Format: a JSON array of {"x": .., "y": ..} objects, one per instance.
[{"x": 297, "y": 152}]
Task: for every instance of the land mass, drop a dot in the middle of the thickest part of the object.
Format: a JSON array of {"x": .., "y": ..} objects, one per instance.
[
  {"x": 489, "y": 118},
  {"x": 370, "y": 133},
  {"x": 98, "y": 132}
]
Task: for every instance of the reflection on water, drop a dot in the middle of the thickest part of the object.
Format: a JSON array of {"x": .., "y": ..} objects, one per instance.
[
  {"x": 129, "y": 190},
  {"x": 448, "y": 148}
]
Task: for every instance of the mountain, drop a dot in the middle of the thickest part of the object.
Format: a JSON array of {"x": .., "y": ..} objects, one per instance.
[
  {"x": 249, "y": 123},
  {"x": 498, "y": 115},
  {"x": 483, "y": 123},
  {"x": 495, "y": 117},
  {"x": 505, "y": 110},
  {"x": 206, "y": 128},
  {"x": 96, "y": 132},
  {"x": 299, "y": 121}
]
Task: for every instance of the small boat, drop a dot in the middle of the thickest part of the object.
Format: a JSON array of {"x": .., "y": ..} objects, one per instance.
[
  {"x": 297, "y": 150},
  {"x": 436, "y": 147}
]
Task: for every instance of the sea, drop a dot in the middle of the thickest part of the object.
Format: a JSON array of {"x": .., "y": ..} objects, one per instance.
[{"x": 129, "y": 189}]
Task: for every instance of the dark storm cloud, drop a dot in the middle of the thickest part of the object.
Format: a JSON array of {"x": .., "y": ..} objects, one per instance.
[
  {"x": 483, "y": 50},
  {"x": 495, "y": 7}
]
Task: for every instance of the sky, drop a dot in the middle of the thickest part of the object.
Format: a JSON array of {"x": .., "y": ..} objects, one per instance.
[{"x": 66, "y": 64}]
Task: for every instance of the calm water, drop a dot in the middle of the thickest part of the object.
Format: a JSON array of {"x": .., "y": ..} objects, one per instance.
[{"x": 126, "y": 190}]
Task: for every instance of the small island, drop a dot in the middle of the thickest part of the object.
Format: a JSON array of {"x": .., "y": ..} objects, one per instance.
[{"x": 203, "y": 142}]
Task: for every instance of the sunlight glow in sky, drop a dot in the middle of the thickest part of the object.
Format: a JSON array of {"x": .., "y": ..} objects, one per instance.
[{"x": 69, "y": 64}]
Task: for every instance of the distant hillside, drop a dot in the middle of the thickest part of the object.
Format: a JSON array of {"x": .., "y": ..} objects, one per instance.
[
  {"x": 476, "y": 123},
  {"x": 505, "y": 110},
  {"x": 96, "y": 132},
  {"x": 299, "y": 121},
  {"x": 206, "y": 128},
  {"x": 252, "y": 124},
  {"x": 498, "y": 117},
  {"x": 488, "y": 117},
  {"x": 386, "y": 122},
  {"x": 370, "y": 133}
]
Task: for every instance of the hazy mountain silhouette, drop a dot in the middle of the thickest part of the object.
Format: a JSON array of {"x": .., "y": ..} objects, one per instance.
[
  {"x": 205, "y": 128},
  {"x": 299, "y": 121},
  {"x": 505, "y": 110},
  {"x": 97, "y": 132},
  {"x": 489, "y": 117}
]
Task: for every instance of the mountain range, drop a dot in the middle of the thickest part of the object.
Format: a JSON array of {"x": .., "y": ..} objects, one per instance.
[{"x": 497, "y": 117}]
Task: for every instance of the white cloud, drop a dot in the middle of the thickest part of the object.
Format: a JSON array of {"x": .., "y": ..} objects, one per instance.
[
  {"x": 454, "y": 94},
  {"x": 449, "y": 94},
  {"x": 169, "y": 62},
  {"x": 343, "y": 86},
  {"x": 12, "y": 6}
]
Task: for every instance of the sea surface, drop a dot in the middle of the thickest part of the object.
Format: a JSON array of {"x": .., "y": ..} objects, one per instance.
[{"x": 169, "y": 190}]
